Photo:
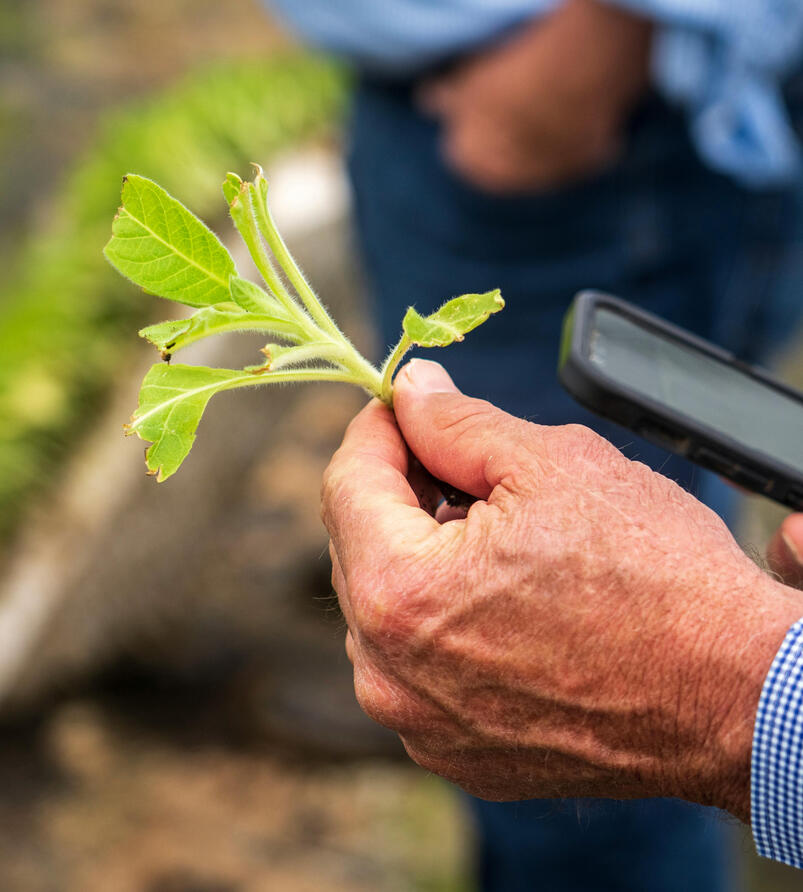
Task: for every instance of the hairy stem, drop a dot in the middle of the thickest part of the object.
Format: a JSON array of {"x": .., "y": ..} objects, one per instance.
[
  {"x": 252, "y": 322},
  {"x": 368, "y": 376},
  {"x": 342, "y": 355},
  {"x": 312, "y": 374},
  {"x": 390, "y": 366},
  {"x": 316, "y": 321},
  {"x": 315, "y": 308},
  {"x": 243, "y": 215}
]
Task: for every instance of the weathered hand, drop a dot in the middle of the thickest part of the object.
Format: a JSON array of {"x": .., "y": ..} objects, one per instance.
[
  {"x": 785, "y": 551},
  {"x": 589, "y": 629},
  {"x": 546, "y": 106}
]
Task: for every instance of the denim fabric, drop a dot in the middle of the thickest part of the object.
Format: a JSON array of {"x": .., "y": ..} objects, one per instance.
[
  {"x": 659, "y": 229},
  {"x": 647, "y": 845}
]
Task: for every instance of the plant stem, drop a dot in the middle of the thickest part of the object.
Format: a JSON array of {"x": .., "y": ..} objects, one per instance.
[
  {"x": 344, "y": 356},
  {"x": 369, "y": 377},
  {"x": 345, "y": 376},
  {"x": 243, "y": 215},
  {"x": 265, "y": 265},
  {"x": 251, "y": 322},
  {"x": 287, "y": 262},
  {"x": 390, "y": 366},
  {"x": 253, "y": 219}
]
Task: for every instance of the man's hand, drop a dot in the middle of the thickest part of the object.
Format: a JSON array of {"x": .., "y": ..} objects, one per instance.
[
  {"x": 588, "y": 629},
  {"x": 785, "y": 551},
  {"x": 546, "y": 106}
]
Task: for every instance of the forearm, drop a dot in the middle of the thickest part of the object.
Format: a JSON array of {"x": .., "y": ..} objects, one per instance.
[{"x": 616, "y": 46}]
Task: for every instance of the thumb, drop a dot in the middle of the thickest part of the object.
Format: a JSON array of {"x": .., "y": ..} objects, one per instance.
[
  {"x": 785, "y": 551},
  {"x": 466, "y": 442}
]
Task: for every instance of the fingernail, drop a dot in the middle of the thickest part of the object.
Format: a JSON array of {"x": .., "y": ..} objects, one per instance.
[
  {"x": 792, "y": 549},
  {"x": 426, "y": 376}
]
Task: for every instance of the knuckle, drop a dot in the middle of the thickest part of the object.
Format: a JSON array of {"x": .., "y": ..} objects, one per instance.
[
  {"x": 336, "y": 488},
  {"x": 332, "y": 471},
  {"x": 423, "y": 757},
  {"x": 337, "y": 581},
  {"x": 376, "y": 700},
  {"x": 579, "y": 443},
  {"x": 523, "y": 472},
  {"x": 364, "y": 587},
  {"x": 583, "y": 439},
  {"x": 372, "y": 603},
  {"x": 329, "y": 486},
  {"x": 390, "y": 598},
  {"x": 438, "y": 757}
]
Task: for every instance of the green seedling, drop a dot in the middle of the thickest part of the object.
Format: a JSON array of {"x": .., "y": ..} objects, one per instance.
[{"x": 166, "y": 250}]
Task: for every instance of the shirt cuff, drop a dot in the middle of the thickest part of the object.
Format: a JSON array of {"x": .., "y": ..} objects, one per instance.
[
  {"x": 738, "y": 118},
  {"x": 727, "y": 76},
  {"x": 777, "y": 761}
]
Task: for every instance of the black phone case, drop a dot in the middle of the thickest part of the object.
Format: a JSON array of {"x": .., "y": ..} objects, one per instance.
[{"x": 660, "y": 424}]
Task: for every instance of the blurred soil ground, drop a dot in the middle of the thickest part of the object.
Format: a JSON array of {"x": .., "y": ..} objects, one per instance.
[{"x": 136, "y": 793}]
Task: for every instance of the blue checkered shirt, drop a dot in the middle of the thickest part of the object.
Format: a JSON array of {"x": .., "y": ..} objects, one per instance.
[
  {"x": 722, "y": 60},
  {"x": 777, "y": 769}
]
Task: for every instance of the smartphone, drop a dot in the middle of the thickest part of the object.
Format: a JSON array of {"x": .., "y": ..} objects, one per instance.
[{"x": 685, "y": 394}]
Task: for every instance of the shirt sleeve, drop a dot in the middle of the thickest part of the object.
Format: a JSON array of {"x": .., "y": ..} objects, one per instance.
[
  {"x": 401, "y": 37},
  {"x": 724, "y": 61},
  {"x": 777, "y": 761}
]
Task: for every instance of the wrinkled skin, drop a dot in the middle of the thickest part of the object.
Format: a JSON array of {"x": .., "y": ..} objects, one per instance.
[
  {"x": 588, "y": 629},
  {"x": 547, "y": 105}
]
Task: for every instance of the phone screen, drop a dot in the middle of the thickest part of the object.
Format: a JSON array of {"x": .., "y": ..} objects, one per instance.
[{"x": 696, "y": 385}]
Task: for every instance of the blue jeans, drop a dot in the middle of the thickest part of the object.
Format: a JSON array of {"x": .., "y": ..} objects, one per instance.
[{"x": 658, "y": 229}]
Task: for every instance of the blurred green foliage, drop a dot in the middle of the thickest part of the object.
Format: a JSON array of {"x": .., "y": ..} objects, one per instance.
[
  {"x": 16, "y": 33},
  {"x": 66, "y": 318}
]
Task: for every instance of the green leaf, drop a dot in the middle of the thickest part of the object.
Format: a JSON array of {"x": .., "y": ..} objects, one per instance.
[
  {"x": 453, "y": 320},
  {"x": 231, "y": 187},
  {"x": 160, "y": 246},
  {"x": 172, "y": 400},
  {"x": 171, "y": 336},
  {"x": 255, "y": 299}
]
